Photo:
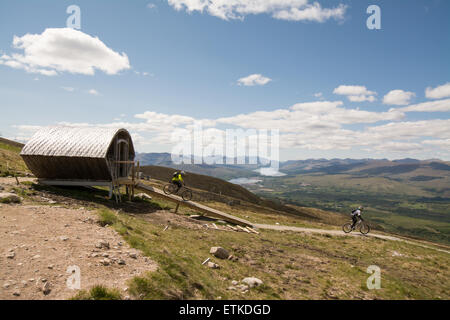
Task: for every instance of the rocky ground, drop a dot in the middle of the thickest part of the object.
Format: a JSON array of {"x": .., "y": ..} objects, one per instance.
[{"x": 38, "y": 243}]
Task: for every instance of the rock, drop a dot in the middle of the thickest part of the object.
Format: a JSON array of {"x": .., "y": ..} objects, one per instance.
[
  {"x": 16, "y": 293},
  {"x": 8, "y": 197},
  {"x": 213, "y": 265},
  {"x": 1, "y": 188},
  {"x": 231, "y": 288},
  {"x": 63, "y": 238},
  {"x": 132, "y": 255},
  {"x": 396, "y": 254},
  {"x": 219, "y": 252},
  {"x": 242, "y": 287},
  {"x": 105, "y": 262},
  {"x": 234, "y": 282},
  {"x": 102, "y": 244},
  {"x": 51, "y": 266},
  {"x": 46, "y": 288},
  {"x": 121, "y": 262},
  {"x": 10, "y": 255},
  {"x": 144, "y": 196},
  {"x": 252, "y": 282}
]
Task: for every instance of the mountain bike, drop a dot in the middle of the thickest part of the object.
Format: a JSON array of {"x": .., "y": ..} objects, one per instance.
[
  {"x": 363, "y": 227},
  {"x": 186, "y": 193}
]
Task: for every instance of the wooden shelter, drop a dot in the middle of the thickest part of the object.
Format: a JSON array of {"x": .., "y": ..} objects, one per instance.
[{"x": 84, "y": 156}]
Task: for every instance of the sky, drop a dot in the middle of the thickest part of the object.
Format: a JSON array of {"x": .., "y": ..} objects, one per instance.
[{"x": 311, "y": 69}]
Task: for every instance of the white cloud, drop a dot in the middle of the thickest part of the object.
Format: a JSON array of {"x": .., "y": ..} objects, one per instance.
[
  {"x": 253, "y": 80},
  {"x": 355, "y": 93},
  {"x": 318, "y": 95},
  {"x": 151, "y": 6},
  {"x": 398, "y": 97},
  {"x": 319, "y": 126},
  {"x": 439, "y": 92},
  {"x": 318, "y": 116},
  {"x": 443, "y": 143},
  {"x": 68, "y": 89},
  {"x": 430, "y": 106},
  {"x": 313, "y": 12},
  {"x": 292, "y": 10},
  {"x": 64, "y": 50},
  {"x": 93, "y": 92}
]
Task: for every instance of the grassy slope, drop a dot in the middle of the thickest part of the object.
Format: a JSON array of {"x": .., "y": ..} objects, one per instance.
[
  {"x": 397, "y": 202},
  {"x": 292, "y": 265},
  {"x": 10, "y": 161}
]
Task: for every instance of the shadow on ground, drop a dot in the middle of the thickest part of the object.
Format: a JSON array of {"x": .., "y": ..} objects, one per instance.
[{"x": 83, "y": 196}]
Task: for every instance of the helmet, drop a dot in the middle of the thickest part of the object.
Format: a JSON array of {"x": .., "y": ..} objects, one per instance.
[{"x": 360, "y": 208}]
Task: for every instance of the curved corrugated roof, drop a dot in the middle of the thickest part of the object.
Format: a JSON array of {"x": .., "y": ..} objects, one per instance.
[{"x": 64, "y": 141}]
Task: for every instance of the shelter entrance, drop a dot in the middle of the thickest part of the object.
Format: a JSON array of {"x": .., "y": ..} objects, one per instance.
[{"x": 123, "y": 157}]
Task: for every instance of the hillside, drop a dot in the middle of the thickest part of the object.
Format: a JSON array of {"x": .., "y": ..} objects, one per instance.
[
  {"x": 10, "y": 161},
  {"x": 167, "y": 251},
  {"x": 221, "y": 190},
  {"x": 154, "y": 253},
  {"x": 409, "y": 197},
  {"x": 405, "y": 196}
]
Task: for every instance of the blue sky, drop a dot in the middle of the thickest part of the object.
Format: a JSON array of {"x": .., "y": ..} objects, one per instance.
[{"x": 320, "y": 74}]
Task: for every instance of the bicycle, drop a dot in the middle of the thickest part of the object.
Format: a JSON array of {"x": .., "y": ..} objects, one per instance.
[
  {"x": 170, "y": 188},
  {"x": 364, "y": 228}
]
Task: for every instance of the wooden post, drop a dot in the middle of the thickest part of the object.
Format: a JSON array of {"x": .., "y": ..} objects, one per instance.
[
  {"x": 176, "y": 209},
  {"x": 138, "y": 171}
]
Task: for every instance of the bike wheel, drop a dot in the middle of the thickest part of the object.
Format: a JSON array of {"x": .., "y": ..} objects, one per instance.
[
  {"x": 186, "y": 195},
  {"x": 347, "y": 227},
  {"x": 364, "y": 228},
  {"x": 169, "y": 189}
]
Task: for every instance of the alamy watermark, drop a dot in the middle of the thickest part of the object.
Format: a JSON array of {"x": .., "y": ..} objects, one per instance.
[
  {"x": 374, "y": 20},
  {"x": 374, "y": 281},
  {"x": 74, "y": 280},
  {"x": 74, "y": 20},
  {"x": 230, "y": 147}
]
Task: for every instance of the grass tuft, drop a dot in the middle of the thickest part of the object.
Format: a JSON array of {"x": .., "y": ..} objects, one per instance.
[{"x": 98, "y": 293}]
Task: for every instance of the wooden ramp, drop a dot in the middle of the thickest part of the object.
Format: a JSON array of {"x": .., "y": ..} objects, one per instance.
[{"x": 197, "y": 206}]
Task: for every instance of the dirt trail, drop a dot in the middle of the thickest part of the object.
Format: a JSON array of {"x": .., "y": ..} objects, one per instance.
[
  {"x": 341, "y": 233},
  {"x": 38, "y": 243}
]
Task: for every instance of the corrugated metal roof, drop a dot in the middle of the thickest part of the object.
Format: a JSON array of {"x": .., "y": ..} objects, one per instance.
[{"x": 65, "y": 141}]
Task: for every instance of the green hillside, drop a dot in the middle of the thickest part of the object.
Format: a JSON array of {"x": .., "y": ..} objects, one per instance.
[{"x": 10, "y": 161}]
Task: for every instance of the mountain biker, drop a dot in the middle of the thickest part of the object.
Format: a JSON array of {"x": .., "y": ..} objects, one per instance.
[
  {"x": 356, "y": 215},
  {"x": 177, "y": 179}
]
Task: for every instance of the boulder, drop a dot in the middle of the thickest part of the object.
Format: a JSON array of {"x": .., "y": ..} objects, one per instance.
[
  {"x": 8, "y": 197},
  {"x": 144, "y": 196},
  {"x": 46, "y": 288},
  {"x": 252, "y": 282},
  {"x": 213, "y": 265},
  {"x": 102, "y": 244},
  {"x": 219, "y": 252},
  {"x": 105, "y": 262}
]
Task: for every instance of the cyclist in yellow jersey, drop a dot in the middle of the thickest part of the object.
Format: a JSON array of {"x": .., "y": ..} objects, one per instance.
[{"x": 177, "y": 179}]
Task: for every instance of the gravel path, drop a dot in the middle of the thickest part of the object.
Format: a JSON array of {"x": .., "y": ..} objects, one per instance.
[
  {"x": 39, "y": 243},
  {"x": 341, "y": 233}
]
